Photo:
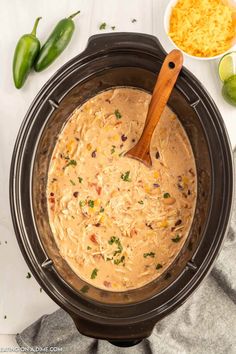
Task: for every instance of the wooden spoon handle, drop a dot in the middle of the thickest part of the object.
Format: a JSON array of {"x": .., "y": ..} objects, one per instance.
[{"x": 166, "y": 80}]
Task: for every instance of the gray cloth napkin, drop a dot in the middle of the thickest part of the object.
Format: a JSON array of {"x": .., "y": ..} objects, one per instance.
[{"x": 205, "y": 324}]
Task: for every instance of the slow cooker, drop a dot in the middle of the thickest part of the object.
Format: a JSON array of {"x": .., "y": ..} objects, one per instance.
[{"x": 119, "y": 59}]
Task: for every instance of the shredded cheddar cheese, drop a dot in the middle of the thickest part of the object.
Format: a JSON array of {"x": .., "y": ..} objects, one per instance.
[
  {"x": 164, "y": 223},
  {"x": 155, "y": 174},
  {"x": 203, "y": 28}
]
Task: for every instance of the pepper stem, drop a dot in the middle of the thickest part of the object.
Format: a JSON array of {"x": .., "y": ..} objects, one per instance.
[
  {"x": 73, "y": 15},
  {"x": 35, "y": 26}
]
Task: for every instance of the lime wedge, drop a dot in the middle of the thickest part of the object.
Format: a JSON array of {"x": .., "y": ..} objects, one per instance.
[
  {"x": 227, "y": 66},
  {"x": 229, "y": 90}
]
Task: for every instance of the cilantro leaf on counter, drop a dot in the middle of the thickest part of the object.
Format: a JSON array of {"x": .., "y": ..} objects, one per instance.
[
  {"x": 28, "y": 276},
  {"x": 134, "y": 20},
  {"x": 103, "y": 26}
]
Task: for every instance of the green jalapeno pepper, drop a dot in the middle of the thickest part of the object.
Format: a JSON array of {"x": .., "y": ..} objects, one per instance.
[
  {"x": 56, "y": 43},
  {"x": 26, "y": 51}
]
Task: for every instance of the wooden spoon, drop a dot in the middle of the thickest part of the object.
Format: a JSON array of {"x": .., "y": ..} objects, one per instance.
[{"x": 164, "y": 85}]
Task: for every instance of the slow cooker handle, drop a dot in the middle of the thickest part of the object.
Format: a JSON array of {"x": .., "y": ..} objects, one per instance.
[
  {"x": 128, "y": 41},
  {"x": 121, "y": 335}
]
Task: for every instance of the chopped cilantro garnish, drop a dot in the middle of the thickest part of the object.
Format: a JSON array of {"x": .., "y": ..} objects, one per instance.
[
  {"x": 158, "y": 266},
  {"x": 94, "y": 273},
  {"x": 117, "y": 114},
  {"x": 84, "y": 289},
  {"x": 80, "y": 179},
  {"x": 65, "y": 157},
  {"x": 125, "y": 176},
  {"x": 140, "y": 202},
  {"x": 112, "y": 240},
  {"x": 166, "y": 195},
  {"x": 119, "y": 260},
  {"x": 89, "y": 248},
  {"x": 134, "y": 20},
  {"x": 72, "y": 182},
  {"x": 149, "y": 254},
  {"x": 176, "y": 239},
  {"x": 28, "y": 276},
  {"x": 71, "y": 163},
  {"x": 102, "y": 26},
  {"x": 91, "y": 203},
  {"x": 82, "y": 203},
  {"x": 102, "y": 210},
  {"x": 116, "y": 240},
  {"x": 113, "y": 28},
  {"x": 120, "y": 248},
  {"x": 113, "y": 149}
]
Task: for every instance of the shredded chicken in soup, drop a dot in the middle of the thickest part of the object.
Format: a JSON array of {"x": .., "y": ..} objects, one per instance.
[{"x": 117, "y": 223}]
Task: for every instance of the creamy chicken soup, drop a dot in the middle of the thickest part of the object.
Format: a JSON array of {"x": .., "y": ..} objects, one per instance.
[{"x": 118, "y": 223}]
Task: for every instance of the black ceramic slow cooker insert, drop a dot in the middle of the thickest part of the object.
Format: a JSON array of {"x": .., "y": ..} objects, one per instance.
[{"x": 119, "y": 59}]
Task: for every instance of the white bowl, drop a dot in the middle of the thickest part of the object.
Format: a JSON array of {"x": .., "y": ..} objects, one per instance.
[{"x": 167, "y": 15}]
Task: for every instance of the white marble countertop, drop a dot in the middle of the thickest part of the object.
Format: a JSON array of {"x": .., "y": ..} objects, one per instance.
[{"x": 21, "y": 300}]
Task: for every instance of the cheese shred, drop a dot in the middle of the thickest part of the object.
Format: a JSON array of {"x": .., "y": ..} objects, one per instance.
[{"x": 203, "y": 28}]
